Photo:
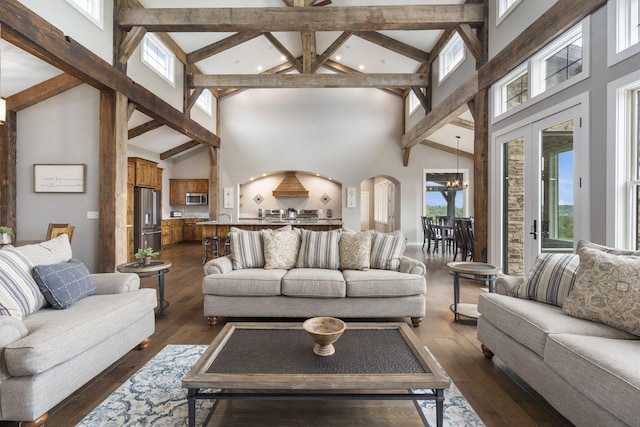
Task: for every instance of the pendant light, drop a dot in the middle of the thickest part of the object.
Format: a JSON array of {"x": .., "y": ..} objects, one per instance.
[{"x": 457, "y": 183}]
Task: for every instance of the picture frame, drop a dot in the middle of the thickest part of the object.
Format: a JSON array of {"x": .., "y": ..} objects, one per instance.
[
  {"x": 351, "y": 197},
  {"x": 227, "y": 198},
  {"x": 59, "y": 178}
]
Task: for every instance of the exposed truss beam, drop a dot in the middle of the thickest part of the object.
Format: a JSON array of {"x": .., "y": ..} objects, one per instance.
[
  {"x": 41, "y": 92},
  {"x": 273, "y": 19},
  {"x": 340, "y": 68},
  {"x": 447, "y": 149},
  {"x": 143, "y": 128},
  {"x": 394, "y": 45},
  {"x": 462, "y": 123},
  {"x": 221, "y": 46},
  {"x": 179, "y": 149},
  {"x": 307, "y": 80},
  {"x": 284, "y": 51},
  {"x": 320, "y": 60}
]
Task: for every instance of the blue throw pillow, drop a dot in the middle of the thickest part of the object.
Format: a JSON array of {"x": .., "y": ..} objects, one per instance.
[{"x": 64, "y": 284}]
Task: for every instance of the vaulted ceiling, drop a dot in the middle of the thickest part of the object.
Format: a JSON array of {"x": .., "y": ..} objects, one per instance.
[{"x": 282, "y": 43}]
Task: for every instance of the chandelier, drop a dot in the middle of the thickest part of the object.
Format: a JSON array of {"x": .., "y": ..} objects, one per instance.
[{"x": 458, "y": 183}]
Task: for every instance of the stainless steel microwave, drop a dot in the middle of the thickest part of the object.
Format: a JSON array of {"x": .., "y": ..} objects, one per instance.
[{"x": 197, "y": 198}]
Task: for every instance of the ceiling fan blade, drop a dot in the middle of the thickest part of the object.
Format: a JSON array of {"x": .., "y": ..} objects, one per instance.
[{"x": 323, "y": 3}]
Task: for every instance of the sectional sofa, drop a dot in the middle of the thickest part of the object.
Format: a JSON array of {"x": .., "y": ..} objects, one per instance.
[
  {"x": 571, "y": 330},
  {"x": 301, "y": 273},
  {"x": 61, "y": 326}
]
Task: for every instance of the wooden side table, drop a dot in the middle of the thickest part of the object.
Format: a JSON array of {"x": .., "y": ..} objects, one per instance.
[
  {"x": 477, "y": 271},
  {"x": 156, "y": 268}
]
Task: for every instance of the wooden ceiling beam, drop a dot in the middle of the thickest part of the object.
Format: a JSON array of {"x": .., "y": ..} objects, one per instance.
[
  {"x": 449, "y": 109},
  {"x": 221, "y": 46},
  {"x": 130, "y": 42},
  {"x": 42, "y": 91},
  {"x": 471, "y": 41},
  {"x": 464, "y": 124},
  {"x": 284, "y": 51},
  {"x": 34, "y": 35},
  {"x": 447, "y": 149},
  {"x": 308, "y": 51},
  {"x": 340, "y": 68},
  {"x": 394, "y": 45},
  {"x": 337, "y": 43},
  {"x": 273, "y": 19},
  {"x": 177, "y": 150},
  {"x": 144, "y": 128},
  {"x": 307, "y": 80}
]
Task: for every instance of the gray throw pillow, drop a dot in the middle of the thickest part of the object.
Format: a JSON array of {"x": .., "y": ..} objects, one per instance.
[{"x": 64, "y": 284}]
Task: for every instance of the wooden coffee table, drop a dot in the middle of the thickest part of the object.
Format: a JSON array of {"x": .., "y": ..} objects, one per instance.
[{"x": 275, "y": 361}]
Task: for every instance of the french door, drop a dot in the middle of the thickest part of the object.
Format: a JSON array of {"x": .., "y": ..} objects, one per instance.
[{"x": 540, "y": 182}]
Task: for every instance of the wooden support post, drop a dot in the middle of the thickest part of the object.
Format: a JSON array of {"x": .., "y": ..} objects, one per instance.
[
  {"x": 8, "y": 171},
  {"x": 112, "y": 231},
  {"x": 479, "y": 108}
]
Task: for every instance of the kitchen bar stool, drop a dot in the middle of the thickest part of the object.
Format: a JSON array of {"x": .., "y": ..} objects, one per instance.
[{"x": 211, "y": 248}]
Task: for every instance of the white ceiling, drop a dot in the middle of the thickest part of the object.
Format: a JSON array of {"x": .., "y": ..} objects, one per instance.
[{"x": 250, "y": 58}]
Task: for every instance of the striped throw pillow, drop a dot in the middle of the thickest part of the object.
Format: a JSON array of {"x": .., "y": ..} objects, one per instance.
[
  {"x": 550, "y": 279},
  {"x": 246, "y": 249},
  {"x": 19, "y": 292},
  {"x": 387, "y": 250},
  {"x": 319, "y": 249}
]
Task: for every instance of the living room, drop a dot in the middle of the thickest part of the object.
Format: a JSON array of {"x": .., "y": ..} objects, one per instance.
[{"x": 348, "y": 134}]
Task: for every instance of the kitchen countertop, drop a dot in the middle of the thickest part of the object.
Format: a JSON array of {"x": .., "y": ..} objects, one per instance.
[{"x": 276, "y": 222}]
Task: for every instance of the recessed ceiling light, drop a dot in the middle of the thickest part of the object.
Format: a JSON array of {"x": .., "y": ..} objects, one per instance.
[
  {"x": 361, "y": 67},
  {"x": 338, "y": 57},
  {"x": 282, "y": 57},
  {"x": 383, "y": 61},
  {"x": 259, "y": 67},
  {"x": 237, "y": 61},
  {"x": 264, "y": 174},
  {"x": 251, "y": 179}
]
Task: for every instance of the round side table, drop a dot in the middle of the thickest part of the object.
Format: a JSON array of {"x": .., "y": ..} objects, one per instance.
[
  {"x": 477, "y": 271},
  {"x": 157, "y": 268}
]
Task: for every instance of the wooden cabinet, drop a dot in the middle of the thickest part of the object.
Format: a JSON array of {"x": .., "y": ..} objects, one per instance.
[
  {"x": 146, "y": 173},
  {"x": 166, "y": 232},
  {"x": 158, "y": 179},
  {"x": 178, "y": 188},
  {"x": 172, "y": 231},
  {"x": 191, "y": 231},
  {"x": 131, "y": 172}
]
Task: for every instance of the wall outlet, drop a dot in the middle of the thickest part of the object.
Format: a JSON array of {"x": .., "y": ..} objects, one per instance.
[{"x": 92, "y": 214}]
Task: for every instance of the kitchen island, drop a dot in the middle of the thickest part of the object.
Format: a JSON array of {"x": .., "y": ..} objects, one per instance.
[{"x": 221, "y": 228}]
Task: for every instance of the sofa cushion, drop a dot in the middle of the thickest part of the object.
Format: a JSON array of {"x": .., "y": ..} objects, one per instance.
[
  {"x": 550, "y": 279},
  {"x": 52, "y": 251},
  {"x": 383, "y": 283},
  {"x": 319, "y": 249},
  {"x": 246, "y": 249},
  {"x": 607, "y": 290},
  {"x": 281, "y": 249},
  {"x": 613, "y": 251},
  {"x": 530, "y": 322},
  {"x": 355, "y": 251},
  {"x": 387, "y": 250},
  {"x": 56, "y": 336},
  {"x": 313, "y": 283},
  {"x": 64, "y": 284},
  {"x": 607, "y": 370},
  {"x": 19, "y": 292},
  {"x": 245, "y": 282}
]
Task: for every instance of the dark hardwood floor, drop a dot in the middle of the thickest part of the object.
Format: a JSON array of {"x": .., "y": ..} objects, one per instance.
[{"x": 488, "y": 385}]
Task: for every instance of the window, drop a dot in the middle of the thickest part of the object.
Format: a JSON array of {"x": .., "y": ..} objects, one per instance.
[
  {"x": 205, "y": 102},
  {"x": 381, "y": 202},
  {"x": 451, "y": 56},
  {"x": 561, "y": 60},
  {"x": 628, "y": 19},
  {"x": 505, "y": 6},
  {"x": 633, "y": 180},
  {"x": 414, "y": 102},
  {"x": 158, "y": 57},
  {"x": 92, "y": 9},
  {"x": 512, "y": 90}
]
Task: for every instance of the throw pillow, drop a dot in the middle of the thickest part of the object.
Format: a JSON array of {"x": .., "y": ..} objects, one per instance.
[
  {"x": 64, "y": 284},
  {"x": 355, "y": 251},
  {"x": 613, "y": 251},
  {"x": 246, "y": 249},
  {"x": 607, "y": 290},
  {"x": 281, "y": 249},
  {"x": 19, "y": 293},
  {"x": 387, "y": 250},
  {"x": 550, "y": 279},
  {"x": 319, "y": 249},
  {"x": 52, "y": 251}
]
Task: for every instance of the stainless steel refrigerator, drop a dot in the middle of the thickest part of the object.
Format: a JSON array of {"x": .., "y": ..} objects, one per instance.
[{"x": 147, "y": 218}]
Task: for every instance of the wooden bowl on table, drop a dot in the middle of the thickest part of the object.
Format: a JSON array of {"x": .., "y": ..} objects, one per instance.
[{"x": 324, "y": 331}]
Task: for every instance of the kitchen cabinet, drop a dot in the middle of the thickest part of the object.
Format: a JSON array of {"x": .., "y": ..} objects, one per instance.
[
  {"x": 146, "y": 173},
  {"x": 191, "y": 231},
  {"x": 166, "y": 232},
  {"x": 176, "y": 231},
  {"x": 158, "y": 179},
  {"x": 178, "y": 188}
]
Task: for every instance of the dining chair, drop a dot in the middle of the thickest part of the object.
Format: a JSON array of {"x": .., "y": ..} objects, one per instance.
[
  {"x": 425, "y": 233},
  {"x": 434, "y": 234},
  {"x": 53, "y": 225},
  {"x": 56, "y": 231}
]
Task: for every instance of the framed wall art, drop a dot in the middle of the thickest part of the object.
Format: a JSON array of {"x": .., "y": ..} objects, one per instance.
[{"x": 60, "y": 178}]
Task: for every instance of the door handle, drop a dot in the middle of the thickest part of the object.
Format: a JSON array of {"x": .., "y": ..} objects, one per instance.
[{"x": 534, "y": 230}]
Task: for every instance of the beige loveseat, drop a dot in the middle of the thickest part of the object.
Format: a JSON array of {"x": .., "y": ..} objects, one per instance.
[
  {"x": 47, "y": 355},
  {"x": 300, "y": 291},
  {"x": 588, "y": 370}
]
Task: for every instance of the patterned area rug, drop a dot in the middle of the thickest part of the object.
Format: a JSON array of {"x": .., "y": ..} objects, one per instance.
[{"x": 154, "y": 396}]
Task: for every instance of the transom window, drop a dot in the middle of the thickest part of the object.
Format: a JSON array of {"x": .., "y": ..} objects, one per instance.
[
  {"x": 205, "y": 102},
  {"x": 92, "y": 9},
  {"x": 505, "y": 6},
  {"x": 157, "y": 57},
  {"x": 451, "y": 56},
  {"x": 628, "y": 20}
]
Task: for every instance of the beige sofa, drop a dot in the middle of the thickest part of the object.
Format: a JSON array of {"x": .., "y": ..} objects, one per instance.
[
  {"x": 299, "y": 291},
  {"x": 49, "y": 354},
  {"x": 587, "y": 370}
]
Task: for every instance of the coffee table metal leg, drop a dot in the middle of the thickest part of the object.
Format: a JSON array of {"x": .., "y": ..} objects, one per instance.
[
  {"x": 439, "y": 406},
  {"x": 191, "y": 403},
  {"x": 422, "y": 417},
  {"x": 161, "y": 293}
]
